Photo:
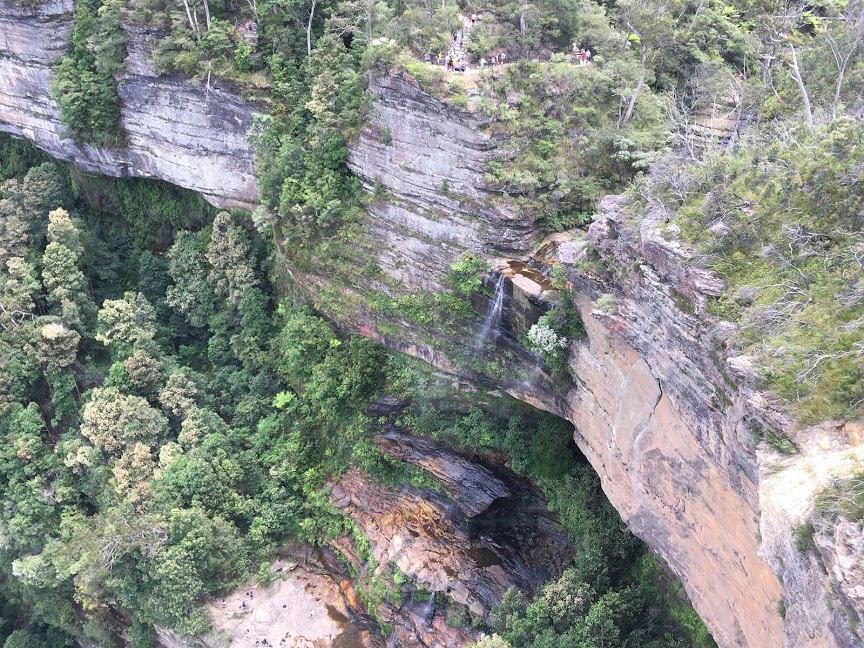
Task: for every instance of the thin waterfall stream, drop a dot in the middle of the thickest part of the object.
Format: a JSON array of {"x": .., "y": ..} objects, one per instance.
[{"x": 493, "y": 319}]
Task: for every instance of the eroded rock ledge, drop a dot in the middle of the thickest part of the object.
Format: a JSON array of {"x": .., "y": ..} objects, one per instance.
[
  {"x": 473, "y": 487},
  {"x": 182, "y": 133}
]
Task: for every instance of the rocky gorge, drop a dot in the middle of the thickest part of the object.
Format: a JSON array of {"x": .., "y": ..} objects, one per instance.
[{"x": 661, "y": 405}]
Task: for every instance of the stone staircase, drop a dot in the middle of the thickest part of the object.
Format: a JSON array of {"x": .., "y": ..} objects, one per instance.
[{"x": 459, "y": 49}]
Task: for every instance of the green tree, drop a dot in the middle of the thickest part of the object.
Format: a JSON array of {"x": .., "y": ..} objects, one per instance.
[
  {"x": 191, "y": 293},
  {"x": 232, "y": 265},
  {"x": 58, "y": 347},
  {"x": 124, "y": 324},
  {"x": 113, "y": 421}
]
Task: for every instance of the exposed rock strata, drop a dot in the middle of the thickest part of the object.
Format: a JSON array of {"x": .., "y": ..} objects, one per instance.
[
  {"x": 432, "y": 158},
  {"x": 186, "y": 134},
  {"x": 660, "y": 405},
  {"x": 427, "y": 537},
  {"x": 656, "y": 404},
  {"x": 473, "y": 487}
]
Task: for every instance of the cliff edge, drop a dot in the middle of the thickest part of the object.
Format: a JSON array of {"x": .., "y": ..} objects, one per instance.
[{"x": 190, "y": 135}]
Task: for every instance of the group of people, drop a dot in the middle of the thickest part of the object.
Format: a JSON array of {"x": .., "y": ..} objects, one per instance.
[
  {"x": 583, "y": 56},
  {"x": 455, "y": 60},
  {"x": 496, "y": 59}
]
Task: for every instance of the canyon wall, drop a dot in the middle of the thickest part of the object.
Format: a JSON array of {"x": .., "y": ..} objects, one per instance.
[
  {"x": 190, "y": 135},
  {"x": 659, "y": 402}
]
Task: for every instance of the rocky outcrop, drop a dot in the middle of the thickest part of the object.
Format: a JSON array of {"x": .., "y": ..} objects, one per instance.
[
  {"x": 432, "y": 158},
  {"x": 660, "y": 405},
  {"x": 471, "y": 486},
  {"x": 188, "y": 134},
  {"x": 427, "y": 537}
]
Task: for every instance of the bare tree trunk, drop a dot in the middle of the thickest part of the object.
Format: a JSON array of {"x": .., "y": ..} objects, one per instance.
[
  {"x": 844, "y": 63},
  {"x": 632, "y": 104},
  {"x": 207, "y": 14},
  {"x": 309, "y": 28},
  {"x": 192, "y": 23},
  {"x": 805, "y": 97},
  {"x": 622, "y": 122}
]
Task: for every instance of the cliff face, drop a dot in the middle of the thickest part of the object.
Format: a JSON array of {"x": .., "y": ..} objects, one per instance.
[
  {"x": 659, "y": 405},
  {"x": 184, "y": 134}
]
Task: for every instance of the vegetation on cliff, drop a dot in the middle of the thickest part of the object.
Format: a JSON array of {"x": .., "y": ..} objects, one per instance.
[
  {"x": 154, "y": 406},
  {"x": 84, "y": 86},
  {"x": 167, "y": 425},
  {"x": 780, "y": 219}
]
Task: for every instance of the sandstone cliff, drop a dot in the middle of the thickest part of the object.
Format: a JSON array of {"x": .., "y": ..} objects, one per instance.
[
  {"x": 659, "y": 405},
  {"x": 186, "y": 134}
]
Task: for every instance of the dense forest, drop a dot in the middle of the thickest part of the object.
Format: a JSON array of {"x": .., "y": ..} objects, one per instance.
[{"x": 173, "y": 411}]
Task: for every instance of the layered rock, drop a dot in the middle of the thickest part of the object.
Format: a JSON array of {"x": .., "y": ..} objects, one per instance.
[
  {"x": 473, "y": 487},
  {"x": 428, "y": 538},
  {"x": 192, "y": 135},
  {"x": 660, "y": 405},
  {"x": 432, "y": 158}
]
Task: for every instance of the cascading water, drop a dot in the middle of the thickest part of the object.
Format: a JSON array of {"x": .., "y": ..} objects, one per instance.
[
  {"x": 493, "y": 319},
  {"x": 427, "y": 612}
]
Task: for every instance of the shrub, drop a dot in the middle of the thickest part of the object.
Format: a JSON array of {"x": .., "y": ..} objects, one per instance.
[
  {"x": 543, "y": 338},
  {"x": 466, "y": 275},
  {"x": 802, "y": 537}
]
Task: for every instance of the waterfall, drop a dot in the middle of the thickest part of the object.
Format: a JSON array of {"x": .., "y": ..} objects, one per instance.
[
  {"x": 427, "y": 612},
  {"x": 494, "y": 317},
  {"x": 533, "y": 374}
]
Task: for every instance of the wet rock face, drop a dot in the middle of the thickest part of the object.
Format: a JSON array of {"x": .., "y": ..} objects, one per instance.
[
  {"x": 472, "y": 562},
  {"x": 471, "y": 486},
  {"x": 185, "y": 134}
]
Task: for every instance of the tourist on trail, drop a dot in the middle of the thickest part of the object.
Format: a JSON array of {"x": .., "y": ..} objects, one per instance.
[
  {"x": 588, "y": 56},
  {"x": 583, "y": 57},
  {"x": 438, "y": 59},
  {"x": 503, "y": 56},
  {"x": 427, "y": 59},
  {"x": 482, "y": 63}
]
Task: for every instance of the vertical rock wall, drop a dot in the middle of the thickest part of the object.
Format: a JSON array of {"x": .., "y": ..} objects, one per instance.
[{"x": 180, "y": 132}]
